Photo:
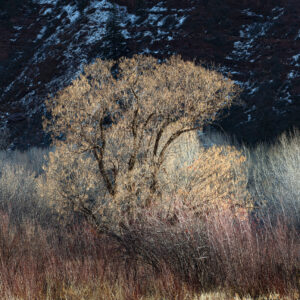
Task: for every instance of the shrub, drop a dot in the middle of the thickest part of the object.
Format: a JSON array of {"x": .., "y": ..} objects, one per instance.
[
  {"x": 274, "y": 178},
  {"x": 205, "y": 180},
  {"x": 18, "y": 185},
  {"x": 251, "y": 259}
]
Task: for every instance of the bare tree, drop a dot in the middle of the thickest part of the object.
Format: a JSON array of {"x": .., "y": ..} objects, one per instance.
[{"x": 121, "y": 121}]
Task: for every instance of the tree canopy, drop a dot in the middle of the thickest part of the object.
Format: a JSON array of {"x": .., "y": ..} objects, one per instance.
[{"x": 121, "y": 119}]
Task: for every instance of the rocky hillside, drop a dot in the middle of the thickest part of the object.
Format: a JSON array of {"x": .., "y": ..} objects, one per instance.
[{"x": 44, "y": 44}]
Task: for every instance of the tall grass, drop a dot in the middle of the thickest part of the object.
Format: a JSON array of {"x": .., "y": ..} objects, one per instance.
[{"x": 222, "y": 255}]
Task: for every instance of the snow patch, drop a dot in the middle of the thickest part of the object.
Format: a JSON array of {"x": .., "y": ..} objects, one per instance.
[
  {"x": 146, "y": 51},
  {"x": 162, "y": 21},
  {"x": 249, "y": 13},
  {"x": 253, "y": 90},
  {"x": 41, "y": 34},
  {"x": 73, "y": 14},
  {"x": 287, "y": 98},
  {"x": 296, "y": 57},
  {"x": 47, "y": 11},
  {"x": 279, "y": 11},
  {"x": 293, "y": 74},
  {"x": 147, "y": 33},
  {"x": 286, "y": 95},
  {"x": 96, "y": 27},
  {"x": 153, "y": 18},
  {"x": 295, "y": 60},
  {"x": 250, "y": 33},
  {"x": 181, "y": 21},
  {"x": 8, "y": 87},
  {"x": 18, "y": 28},
  {"x": 125, "y": 33},
  {"x": 253, "y": 108},
  {"x": 132, "y": 18},
  {"x": 182, "y": 10},
  {"x": 99, "y": 5},
  {"x": 42, "y": 2},
  {"x": 158, "y": 8}
]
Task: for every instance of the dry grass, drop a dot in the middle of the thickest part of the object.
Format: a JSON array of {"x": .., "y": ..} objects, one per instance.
[
  {"x": 241, "y": 256},
  {"x": 77, "y": 263}
]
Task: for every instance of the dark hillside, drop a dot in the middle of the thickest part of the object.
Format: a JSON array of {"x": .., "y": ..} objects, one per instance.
[{"x": 44, "y": 44}]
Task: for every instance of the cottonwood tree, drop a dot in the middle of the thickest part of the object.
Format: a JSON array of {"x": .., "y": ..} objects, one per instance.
[{"x": 116, "y": 125}]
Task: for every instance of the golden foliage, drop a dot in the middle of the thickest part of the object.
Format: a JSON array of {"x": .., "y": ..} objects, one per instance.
[
  {"x": 215, "y": 182},
  {"x": 203, "y": 180},
  {"x": 120, "y": 120}
]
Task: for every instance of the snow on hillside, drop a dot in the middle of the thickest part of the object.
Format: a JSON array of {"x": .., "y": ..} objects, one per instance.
[
  {"x": 250, "y": 33},
  {"x": 248, "y": 49},
  {"x": 66, "y": 39},
  {"x": 76, "y": 38},
  {"x": 74, "y": 55}
]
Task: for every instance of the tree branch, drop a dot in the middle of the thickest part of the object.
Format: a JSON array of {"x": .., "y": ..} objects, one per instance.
[
  {"x": 172, "y": 138},
  {"x": 99, "y": 157},
  {"x": 159, "y": 135}
]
